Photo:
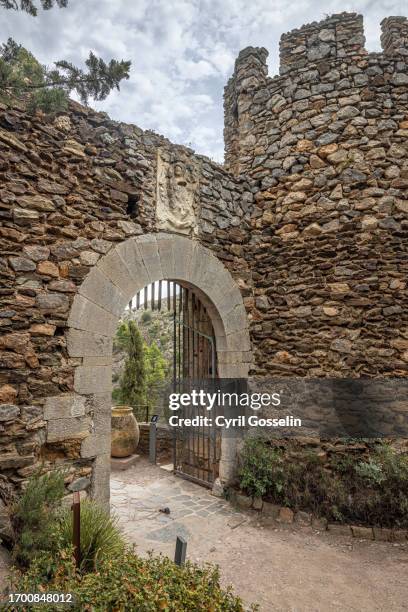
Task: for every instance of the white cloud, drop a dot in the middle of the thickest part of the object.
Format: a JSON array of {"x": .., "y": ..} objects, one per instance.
[{"x": 182, "y": 51}]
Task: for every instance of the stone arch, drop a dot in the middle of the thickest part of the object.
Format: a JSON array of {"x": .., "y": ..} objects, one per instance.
[{"x": 101, "y": 299}]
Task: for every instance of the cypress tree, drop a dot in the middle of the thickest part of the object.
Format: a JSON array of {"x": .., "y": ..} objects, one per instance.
[{"x": 133, "y": 379}]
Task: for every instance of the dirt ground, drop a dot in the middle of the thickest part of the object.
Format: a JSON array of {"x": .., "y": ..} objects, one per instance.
[{"x": 282, "y": 568}]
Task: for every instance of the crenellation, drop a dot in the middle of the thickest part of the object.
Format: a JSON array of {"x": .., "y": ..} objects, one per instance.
[
  {"x": 338, "y": 36},
  {"x": 394, "y": 36}
]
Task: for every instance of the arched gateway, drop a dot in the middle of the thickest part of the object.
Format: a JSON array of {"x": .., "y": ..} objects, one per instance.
[{"x": 101, "y": 299}]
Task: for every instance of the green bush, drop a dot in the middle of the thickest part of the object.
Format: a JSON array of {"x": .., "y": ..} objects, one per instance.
[
  {"x": 100, "y": 535},
  {"x": 132, "y": 583},
  {"x": 32, "y": 515},
  {"x": 372, "y": 490}
]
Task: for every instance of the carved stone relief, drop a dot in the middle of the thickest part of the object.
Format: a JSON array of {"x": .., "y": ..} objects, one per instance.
[{"x": 177, "y": 186}]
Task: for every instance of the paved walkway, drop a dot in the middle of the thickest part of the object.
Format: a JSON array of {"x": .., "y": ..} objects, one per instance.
[{"x": 283, "y": 568}]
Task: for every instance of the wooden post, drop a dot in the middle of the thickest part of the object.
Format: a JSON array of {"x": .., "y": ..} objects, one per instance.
[
  {"x": 76, "y": 531},
  {"x": 181, "y": 549}
]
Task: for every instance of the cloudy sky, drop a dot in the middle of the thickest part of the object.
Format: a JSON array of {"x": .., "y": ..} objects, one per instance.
[{"x": 182, "y": 51}]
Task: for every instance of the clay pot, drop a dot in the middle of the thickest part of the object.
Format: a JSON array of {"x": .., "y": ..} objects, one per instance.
[{"x": 125, "y": 432}]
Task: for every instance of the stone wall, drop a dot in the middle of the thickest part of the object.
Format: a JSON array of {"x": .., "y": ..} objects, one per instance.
[
  {"x": 326, "y": 145},
  {"x": 71, "y": 189},
  {"x": 309, "y": 216}
]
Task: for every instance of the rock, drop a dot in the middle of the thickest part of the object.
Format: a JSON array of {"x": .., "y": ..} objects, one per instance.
[
  {"x": 21, "y": 264},
  {"x": 12, "y": 141},
  {"x": 286, "y": 515},
  {"x": 257, "y": 503},
  {"x": 218, "y": 488},
  {"x": 53, "y": 303},
  {"x": 365, "y": 533},
  {"x": 89, "y": 258},
  {"x": 12, "y": 461},
  {"x": 80, "y": 484},
  {"x": 243, "y": 501},
  {"x": 36, "y": 252},
  {"x": 23, "y": 214},
  {"x": 303, "y": 518},
  {"x": 37, "y": 203},
  {"x": 271, "y": 510},
  {"x": 8, "y": 412},
  {"x": 42, "y": 329},
  {"x": 48, "y": 268},
  {"x": 8, "y": 394},
  {"x": 63, "y": 123}
]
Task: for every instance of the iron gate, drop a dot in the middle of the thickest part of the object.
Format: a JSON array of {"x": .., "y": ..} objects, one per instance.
[{"x": 196, "y": 451}]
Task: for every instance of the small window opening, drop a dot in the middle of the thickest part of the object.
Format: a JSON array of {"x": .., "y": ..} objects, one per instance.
[{"x": 132, "y": 208}]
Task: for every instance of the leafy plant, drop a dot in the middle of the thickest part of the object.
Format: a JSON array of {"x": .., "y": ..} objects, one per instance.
[
  {"x": 372, "y": 490},
  {"x": 132, "y": 384},
  {"x": 130, "y": 582},
  {"x": 256, "y": 471},
  {"x": 32, "y": 515},
  {"x": 100, "y": 535}
]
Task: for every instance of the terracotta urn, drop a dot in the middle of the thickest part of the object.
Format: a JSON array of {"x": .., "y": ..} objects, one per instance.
[{"x": 125, "y": 432}]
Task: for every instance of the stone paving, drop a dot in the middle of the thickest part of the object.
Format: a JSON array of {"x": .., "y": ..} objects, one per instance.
[
  {"x": 284, "y": 568},
  {"x": 138, "y": 505}
]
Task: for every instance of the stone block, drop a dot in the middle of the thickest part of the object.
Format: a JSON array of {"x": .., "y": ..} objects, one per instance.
[
  {"x": 67, "y": 429},
  {"x": 149, "y": 252},
  {"x": 238, "y": 341},
  {"x": 236, "y": 320},
  {"x": 64, "y": 406},
  {"x": 86, "y": 315},
  {"x": 98, "y": 288},
  {"x": 365, "y": 533},
  {"x": 95, "y": 444},
  {"x": 337, "y": 529},
  {"x": 100, "y": 480},
  {"x": 165, "y": 247},
  {"x": 183, "y": 255},
  {"x": 86, "y": 344},
  {"x": 123, "y": 463},
  {"x": 113, "y": 266},
  {"x": 129, "y": 253},
  {"x": 101, "y": 406},
  {"x": 92, "y": 379}
]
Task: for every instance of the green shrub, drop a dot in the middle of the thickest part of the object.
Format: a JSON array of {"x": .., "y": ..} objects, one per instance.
[
  {"x": 256, "y": 472},
  {"x": 372, "y": 490},
  {"x": 32, "y": 515},
  {"x": 133, "y": 583},
  {"x": 100, "y": 535},
  {"x": 146, "y": 316}
]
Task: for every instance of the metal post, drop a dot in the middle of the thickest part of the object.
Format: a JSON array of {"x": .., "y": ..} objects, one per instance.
[
  {"x": 76, "y": 530},
  {"x": 152, "y": 442},
  {"x": 181, "y": 549}
]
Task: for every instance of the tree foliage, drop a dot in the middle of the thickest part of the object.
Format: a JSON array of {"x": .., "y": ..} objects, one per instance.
[
  {"x": 21, "y": 75},
  {"x": 29, "y": 6},
  {"x": 132, "y": 387}
]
